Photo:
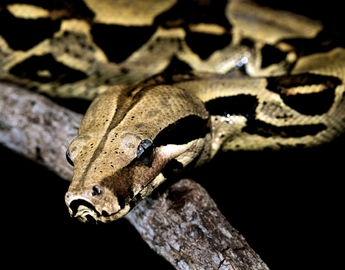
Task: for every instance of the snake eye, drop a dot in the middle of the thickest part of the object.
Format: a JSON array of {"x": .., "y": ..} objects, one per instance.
[
  {"x": 68, "y": 157},
  {"x": 145, "y": 151}
]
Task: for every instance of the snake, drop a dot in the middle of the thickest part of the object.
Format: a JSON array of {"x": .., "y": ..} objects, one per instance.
[{"x": 172, "y": 83}]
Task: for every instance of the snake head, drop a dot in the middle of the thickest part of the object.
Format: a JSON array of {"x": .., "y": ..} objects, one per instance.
[{"x": 129, "y": 142}]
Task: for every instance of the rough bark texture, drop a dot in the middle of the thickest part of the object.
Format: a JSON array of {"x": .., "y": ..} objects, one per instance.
[
  {"x": 199, "y": 236},
  {"x": 37, "y": 128},
  {"x": 183, "y": 224}
]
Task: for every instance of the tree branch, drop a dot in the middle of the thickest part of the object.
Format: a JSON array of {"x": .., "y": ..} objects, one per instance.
[
  {"x": 185, "y": 226},
  {"x": 37, "y": 128},
  {"x": 182, "y": 224}
]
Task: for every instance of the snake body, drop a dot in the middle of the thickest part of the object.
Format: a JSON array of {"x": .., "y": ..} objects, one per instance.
[{"x": 266, "y": 79}]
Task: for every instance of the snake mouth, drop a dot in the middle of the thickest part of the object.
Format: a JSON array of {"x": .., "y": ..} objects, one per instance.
[{"x": 86, "y": 212}]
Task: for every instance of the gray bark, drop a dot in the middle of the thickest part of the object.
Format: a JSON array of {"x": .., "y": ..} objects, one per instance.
[{"x": 185, "y": 226}]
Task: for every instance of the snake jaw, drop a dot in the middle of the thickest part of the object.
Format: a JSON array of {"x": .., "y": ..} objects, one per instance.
[{"x": 84, "y": 214}]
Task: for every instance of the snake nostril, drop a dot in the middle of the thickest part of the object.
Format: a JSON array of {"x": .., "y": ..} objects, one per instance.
[
  {"x": 96, "y": 190},
  {"x": 105, "y": 213}
]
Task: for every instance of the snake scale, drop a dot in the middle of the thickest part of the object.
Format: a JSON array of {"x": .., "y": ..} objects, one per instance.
[{"x": 173, "y": 83}]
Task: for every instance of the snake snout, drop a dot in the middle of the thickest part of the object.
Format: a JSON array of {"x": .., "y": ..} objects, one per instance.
[{"x": 94, "y": 204}]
